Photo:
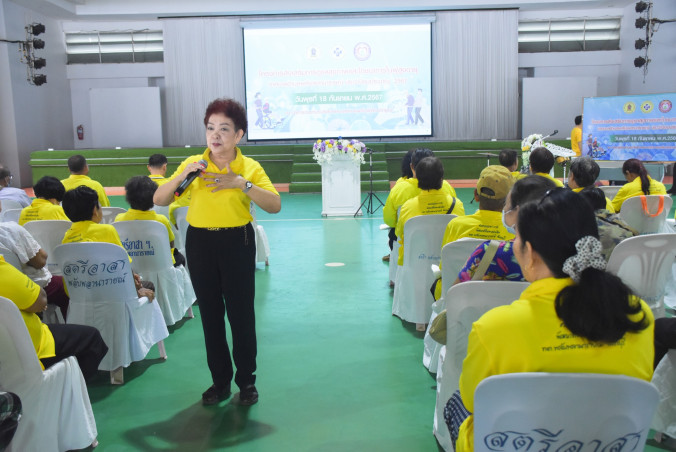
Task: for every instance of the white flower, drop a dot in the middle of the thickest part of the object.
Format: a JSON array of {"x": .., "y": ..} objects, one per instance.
[{"x": 324, "y": 151}]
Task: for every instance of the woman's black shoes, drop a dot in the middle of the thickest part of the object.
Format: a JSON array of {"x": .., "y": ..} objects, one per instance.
[
  {"x": 216, "y": 394},
  {"x": 248, "y": 395}
]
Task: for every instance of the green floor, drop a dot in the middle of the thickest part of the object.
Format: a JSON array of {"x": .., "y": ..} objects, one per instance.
[{"x": 336, "y": 371}]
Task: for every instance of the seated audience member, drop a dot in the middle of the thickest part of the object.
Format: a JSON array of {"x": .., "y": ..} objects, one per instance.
[
  {"x": 82, "y": 208},
  {"x": 392, "y": 203},
  {"x": 10, "y": 413},
  {"x": 431, "y": 200},
  {"x": 612, "y": 230},
  {"x": 509, "y": 159},
  {"x": 49, "y": 193},
  {"x": 571, "y": 303},
  {"x": 583, "y": 173},
  {"x": 504, "y": 266},
  {"x": 52, "y": 342},
  {"x": 34, "y": 263},
  {"x": 139, "y": 195},
  {"x": 157, "y": 167},
  {"x": 492, "y": 188},
  {"x": 10, "y": 193},
  {"x": 79, "y": 170},
  {"x": 407, "y": 188},
  {"x": 541, "y": 163},
  {"x": 491, "y": 191},
  {"x": 638, "y": 183}
]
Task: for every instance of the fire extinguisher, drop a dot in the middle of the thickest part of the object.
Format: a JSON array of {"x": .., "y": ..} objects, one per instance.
[{"x": 80, "y": 132}]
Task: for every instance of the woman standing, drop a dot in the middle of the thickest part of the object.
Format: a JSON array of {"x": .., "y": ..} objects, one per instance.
[{"x": 220, "y": 247}]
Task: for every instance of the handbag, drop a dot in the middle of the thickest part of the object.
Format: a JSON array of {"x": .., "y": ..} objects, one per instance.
[{"x": 438, "y": 325}]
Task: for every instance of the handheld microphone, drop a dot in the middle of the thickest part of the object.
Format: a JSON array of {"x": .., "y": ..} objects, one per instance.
[
  {"x": 191, "y": 177},
  {"x": 550, "y": 135}
]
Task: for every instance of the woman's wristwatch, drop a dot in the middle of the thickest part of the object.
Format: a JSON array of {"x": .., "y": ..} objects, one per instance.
[{"x": 247, "y": 187}]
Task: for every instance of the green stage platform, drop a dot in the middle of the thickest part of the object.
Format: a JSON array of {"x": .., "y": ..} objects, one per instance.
[{"x": 292, "y": 163}]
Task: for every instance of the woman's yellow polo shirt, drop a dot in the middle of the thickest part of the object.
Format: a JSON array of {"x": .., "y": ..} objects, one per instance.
[{"x": 224, "y": 208}]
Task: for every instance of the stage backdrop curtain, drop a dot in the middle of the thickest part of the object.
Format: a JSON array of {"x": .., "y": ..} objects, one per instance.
[
  {"x": 203, "y": 60},
  {"x": 474, "y": 67},
  {"x": 475, "y": 75}
]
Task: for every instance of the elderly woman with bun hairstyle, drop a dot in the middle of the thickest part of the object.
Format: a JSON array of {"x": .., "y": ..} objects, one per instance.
[
  {"x": 574, "y": 316},
  {"x": 638, "y": 183},
  {"x": 220, "y": 245}
]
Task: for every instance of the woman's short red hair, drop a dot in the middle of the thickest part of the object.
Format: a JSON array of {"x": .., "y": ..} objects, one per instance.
[{"x": 231, "y": 109}]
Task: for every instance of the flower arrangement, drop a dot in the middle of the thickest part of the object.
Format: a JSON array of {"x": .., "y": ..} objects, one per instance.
[
  {"x": 326, "y": 150},
  {"x": 531, "y": 141}
]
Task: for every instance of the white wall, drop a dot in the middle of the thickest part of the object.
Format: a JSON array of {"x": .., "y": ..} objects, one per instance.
[
  {"x": 85, "y": 77},
  {"x": 661, "y": 76},
  {"x": 41, "y": 115},
  {"x": 551, "y": 103}
]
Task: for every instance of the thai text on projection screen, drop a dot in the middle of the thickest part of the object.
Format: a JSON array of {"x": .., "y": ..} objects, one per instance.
[
  {"x": 338, "y": 80},
  {"x": 623, "y": 127}
]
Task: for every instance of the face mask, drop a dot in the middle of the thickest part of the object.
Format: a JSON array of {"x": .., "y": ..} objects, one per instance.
[{"x": 510, "y": 229}]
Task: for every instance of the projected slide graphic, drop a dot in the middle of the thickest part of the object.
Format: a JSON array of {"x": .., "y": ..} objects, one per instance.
[
  {"x": 330, "y": 81},
  {"x": 624, "y": 127}
]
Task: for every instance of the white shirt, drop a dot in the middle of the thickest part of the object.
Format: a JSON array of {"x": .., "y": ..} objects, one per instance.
[
  {"x": 15, "y": 194},
  {"x": 17, "y": 239}
]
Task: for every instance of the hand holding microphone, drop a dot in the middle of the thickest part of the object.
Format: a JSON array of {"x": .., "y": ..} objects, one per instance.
[{"x": 191, "y": 177}]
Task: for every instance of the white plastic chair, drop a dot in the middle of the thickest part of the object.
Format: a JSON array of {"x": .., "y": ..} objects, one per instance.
[
  {"x": 10, "y": 215},
  {"x": 49, "y": 234},
  {"x": 181, "y": 224},
  {"x": 422, "y": 247},
  {"x": 147, "y": 242},
  {"x": 102, "y": 294},
  {"x": 8, "y": 204},
  {"x": 664, "y": 380},
  {"x": 109, "y": 214},
  {"x": 644, "y": 222},
  {"x": 162, "y": 210},
  {"x": 11, "y": 258},
  {"x": 262, "y": 244},
  {"x": 562, "y": 411},
  {"x": 454, "y": 255},
  {"x": 644, "y": 263},
  {"x": 57, "y": 414},
  {"x": 465, "y": 304},
  {"x": 610, "y": 190}
]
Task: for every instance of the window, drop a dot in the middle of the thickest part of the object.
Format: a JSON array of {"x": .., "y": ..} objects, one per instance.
[
  {"x": 128, "y": 46},
  {"x": 569, "y": 35}
]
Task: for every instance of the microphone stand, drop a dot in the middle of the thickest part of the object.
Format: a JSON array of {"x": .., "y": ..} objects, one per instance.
[{"x": 368, "y": 201}]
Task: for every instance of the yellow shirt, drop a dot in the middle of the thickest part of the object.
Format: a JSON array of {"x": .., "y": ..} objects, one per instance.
[
  {"x": 633, "y": 188},
  {"x": 609, "y": 203},
  {"x": 41, "y": 209},
  {"x": 403, "y": 190},
  {"x": 556, "y": 181},
  {"x": 133, "y": 214},
  {"x": 88, "y": 231},
  {"x": 224, "y": 208},
  {"x": 159, "y": 180},
  {"x": 23, "y": 292},
  {"x": 517, "y": 175},
  {"x": 75, "y": 180},
  {"x": 575, "y": 140},
  {"x": 483, "y": 224},
  {"x": 428, "y": 202},
  {"x": 528, "y": 336}
]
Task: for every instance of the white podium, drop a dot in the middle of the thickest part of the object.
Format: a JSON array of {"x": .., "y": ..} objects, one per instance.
[{"x": 341, "y": 187}]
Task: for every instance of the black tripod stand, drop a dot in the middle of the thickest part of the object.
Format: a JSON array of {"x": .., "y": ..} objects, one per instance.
[{"x": 368, "y": 201}]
